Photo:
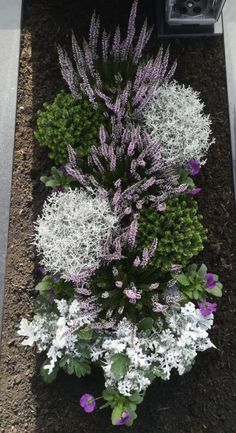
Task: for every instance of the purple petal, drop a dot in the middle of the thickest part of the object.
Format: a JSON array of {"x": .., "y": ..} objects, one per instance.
[
  {"x": 40, "y": 269},
  {"x": 210, "y": 281},
  {"x": 193, "y": 166},
  {"x": 194, "y": 191},
  {"x": 126, "y": 416},
  {"x": 88, "y": 403},
  {"x": 207, "y": 308}
]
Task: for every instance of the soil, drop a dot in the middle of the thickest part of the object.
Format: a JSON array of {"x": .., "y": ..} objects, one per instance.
[{"x": 198, "y": 402}]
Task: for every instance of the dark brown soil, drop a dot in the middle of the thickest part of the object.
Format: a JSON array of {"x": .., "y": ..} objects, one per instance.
[{"x": 201, "y": 401}]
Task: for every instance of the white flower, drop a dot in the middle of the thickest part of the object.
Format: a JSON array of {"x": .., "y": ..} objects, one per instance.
[
  {"x": 73, "y": 231},
  {"x": 174, "y": 117}
]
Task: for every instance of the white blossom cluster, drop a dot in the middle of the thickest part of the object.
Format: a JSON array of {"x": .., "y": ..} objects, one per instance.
[
  {"x": 73, "y": 230},
  {"x": 174, "y": 117},
  {"x": 175, "y": 347},
  {"x": 55, "y": 333}
]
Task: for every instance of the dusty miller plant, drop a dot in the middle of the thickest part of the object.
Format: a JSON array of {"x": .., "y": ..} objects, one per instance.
[
  {"x": 73, "y": 230},
  {"x": 174, "y": 116}
]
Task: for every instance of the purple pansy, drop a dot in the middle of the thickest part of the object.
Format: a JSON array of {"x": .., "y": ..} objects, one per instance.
[
  {"x": 194, "y": 191},
  {"x": 125, "y": 417},
  {"x": 88, "y": 403},
  {"x": 210, "y": 281},
  {"x": 41, "y": 269},
  {"x": 193, "y": 166},
  {"x": 207, "y": 308}
]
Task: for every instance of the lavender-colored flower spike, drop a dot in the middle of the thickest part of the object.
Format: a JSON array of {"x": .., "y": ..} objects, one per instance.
[
  {"x": 132, "y": 93},
  {"x": 133, "y": 232}
]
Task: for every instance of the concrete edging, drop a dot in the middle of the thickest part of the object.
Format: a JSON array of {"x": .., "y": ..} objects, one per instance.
[{"x": 10, "y": 29}]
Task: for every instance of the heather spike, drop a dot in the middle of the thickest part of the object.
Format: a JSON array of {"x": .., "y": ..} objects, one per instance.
[{"x": 93, "y": 73}]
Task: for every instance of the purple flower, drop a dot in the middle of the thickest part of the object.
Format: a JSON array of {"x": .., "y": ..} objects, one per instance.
[
  {"x": 40, "y": 269},
  {"x": 133, "y": 294},
  {"x": 194, "y": 191},
  {"x": 207, "y": 308},
  {"x": 62, "y": 169},
  {"x": 193, "y": 166},
  {"x": 59, "y": 189},
  {"x": 125, "y": 417},
  {"x": 88, "y": 403},
  {"x": 210, "y": 281}
]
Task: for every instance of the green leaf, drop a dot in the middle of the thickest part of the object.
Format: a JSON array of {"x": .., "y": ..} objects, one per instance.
[
  {"x": 76, "y": 366},
  {"x": 82, "y": 369},
  {"x": 43, "y": 179},
  {"x": 52, "y": 183},
  {"x": 182, "y": 279},
  {"x": 136, "y": 398},
  {"x": 117, "y": 413},
  {"x": 85, "y": 334},
  {"x": 44, "y": 285},
  {"x": 202, "y": 270},
  {"x": 49, "y": 378},
  {"x": 217, "y": 291},
  {"x": 110, "y": 394},
  {"x": 192, "y": 268},
  {"x": 146, "y": 324},
  {"x": 120, "y": 365}
]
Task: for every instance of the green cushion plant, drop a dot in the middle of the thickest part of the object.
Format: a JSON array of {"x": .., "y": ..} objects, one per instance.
[
  {"x": 68, "y": 121},
  {"x": 178, "y": 229}
]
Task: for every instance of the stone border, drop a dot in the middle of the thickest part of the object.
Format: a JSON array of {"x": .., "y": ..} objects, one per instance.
[
  {"x": 229, "y": 23},
  {"x": 10, "y": 24}
]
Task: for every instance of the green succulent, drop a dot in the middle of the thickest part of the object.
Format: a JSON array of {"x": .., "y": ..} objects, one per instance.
[
  {"x": 178, "y": 229},
  {"x": 68, "y": 121}
]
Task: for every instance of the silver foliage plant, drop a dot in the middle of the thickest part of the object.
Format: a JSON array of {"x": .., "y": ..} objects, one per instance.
[
  {"x": 73, "y": 231},
  {"x": 111, "y": 70},
  {"x": 174, "y": 115}
]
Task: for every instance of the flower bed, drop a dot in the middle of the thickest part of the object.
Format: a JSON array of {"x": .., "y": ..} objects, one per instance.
[
  {"x": 137, "y": 294},
  {"x": 120, "y": 226}
]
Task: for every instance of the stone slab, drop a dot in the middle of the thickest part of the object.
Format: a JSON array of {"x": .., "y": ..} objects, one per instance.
[
  {"x": 229, "y": 24},
  {"x": 10, "y": 22}
]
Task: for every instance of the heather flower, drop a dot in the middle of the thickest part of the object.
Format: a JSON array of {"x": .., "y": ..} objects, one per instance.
[
  {"x": 193, "y": 166},
  {"x": 207, "y": 308},
  {"x": 146, "y": 176},
  {"x": 93, "y": 70},
  {"x": 126, "y": 417},
  {"x": 174, "y": 116},
  {"x": 132, "y": 294},
  {"x": 88, "y": 403},
  {"x": 210, "y": 281}
]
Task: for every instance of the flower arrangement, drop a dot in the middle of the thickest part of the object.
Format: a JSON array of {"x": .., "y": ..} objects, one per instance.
[{"x": 118, "y": 233}]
